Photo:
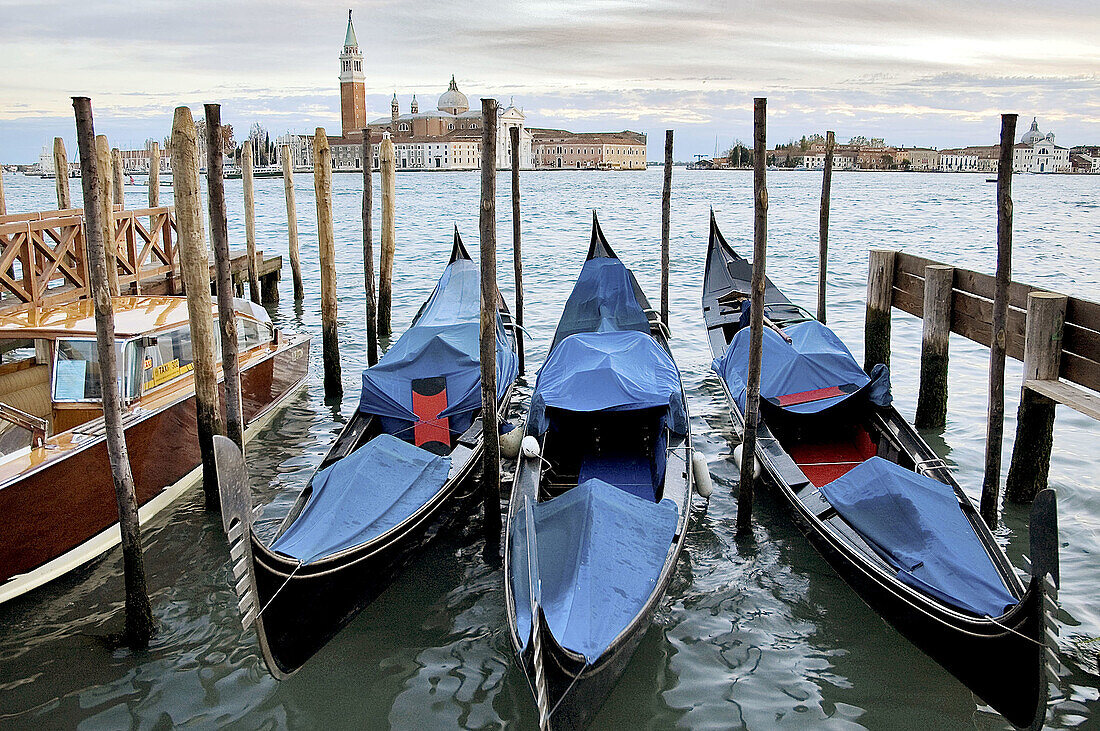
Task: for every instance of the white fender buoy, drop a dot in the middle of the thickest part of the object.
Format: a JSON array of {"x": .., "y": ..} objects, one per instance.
[
  {"x": 737, "y": 452},
  {"x": 509, "y": 443},
  {"x": 530, "y": 448},
  {"x": 704, "y": 485}
]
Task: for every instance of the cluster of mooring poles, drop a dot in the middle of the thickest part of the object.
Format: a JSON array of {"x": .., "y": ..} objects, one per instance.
[{"x": 941, "y": 287}]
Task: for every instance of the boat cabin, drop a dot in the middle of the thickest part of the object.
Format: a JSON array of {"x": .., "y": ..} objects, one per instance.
[{"x": 49, "y": 366}]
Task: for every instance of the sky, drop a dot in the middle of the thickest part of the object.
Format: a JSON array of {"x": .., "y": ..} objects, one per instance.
[{"x": 918, "y": 73}]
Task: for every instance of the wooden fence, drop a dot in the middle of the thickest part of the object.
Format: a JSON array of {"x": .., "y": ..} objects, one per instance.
[
  {"x": 972, "y": 313},
  {"x": 43, "y": 260}
]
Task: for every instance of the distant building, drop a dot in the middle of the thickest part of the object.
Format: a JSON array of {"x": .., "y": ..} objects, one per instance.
[
  {"x": 559, "y": 148},
  {"x": 1037, "y": 153},
  {"x": 958, "y": 160},
  {"x": 920, "y": 158}
]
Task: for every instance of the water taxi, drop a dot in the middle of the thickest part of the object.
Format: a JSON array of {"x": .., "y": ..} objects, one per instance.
[{"x": 57, "y": 500}]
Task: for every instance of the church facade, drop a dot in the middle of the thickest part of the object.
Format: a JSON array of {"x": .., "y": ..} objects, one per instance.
[{"x": 446, "y": 138}]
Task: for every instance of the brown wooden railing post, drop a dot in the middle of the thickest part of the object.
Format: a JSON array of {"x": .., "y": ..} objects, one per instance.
[
  {"x": 326, "y": 248},
  {"x": 880, "y": 298},
  {"x": 932, "y": 396},
  {"x": 1030, "y": 465},
  {"x": 139, "y": 614},
  {"x": 756, "y": 318},
  {"x": 3, "y": 200},
  {"x": 61, "y": 171},
  {"x": 991, "y": 485},
  {"x": 195, "y": 267}
]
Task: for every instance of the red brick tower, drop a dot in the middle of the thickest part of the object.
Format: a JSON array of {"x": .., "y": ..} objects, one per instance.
[{"x": 353, "y": 104}]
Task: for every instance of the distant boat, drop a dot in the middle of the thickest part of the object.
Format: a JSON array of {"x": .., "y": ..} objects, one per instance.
[{"x": 991, "y": 180}]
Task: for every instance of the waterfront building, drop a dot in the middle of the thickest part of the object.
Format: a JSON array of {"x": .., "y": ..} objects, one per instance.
[
  {"x": 920, "y": 158},
  {"x": 559, "y": 148},
  {"x": 1037, "y": 153},
  {"x": 958, "y": 160},
  {"x": 844, "y": 156}
]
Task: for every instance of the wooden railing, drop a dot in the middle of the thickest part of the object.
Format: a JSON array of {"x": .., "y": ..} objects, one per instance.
[
  {"x": 972, "y": 313},
  {"x": 43, "y": 260}
]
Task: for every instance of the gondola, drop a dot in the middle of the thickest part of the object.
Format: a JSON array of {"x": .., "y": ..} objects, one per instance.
[
  {"x": 600, "y": 502},
  {"x": 878, "y": 503},
  {"x": 385, "y": 486}
]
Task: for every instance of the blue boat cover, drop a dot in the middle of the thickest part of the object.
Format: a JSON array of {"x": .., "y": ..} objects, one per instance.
[
  {"x": 608, "y": 371},
  {"x": 444, "y": 340},
  {"x": 815, "y": 359},
  {"x": 362, "y": 496},
  {"x": 916, "y": 525},
  {"x": 603, "y": 299},
  {"x": 600, "y": 552}
]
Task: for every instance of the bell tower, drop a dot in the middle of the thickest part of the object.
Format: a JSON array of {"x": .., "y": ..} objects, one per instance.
[{"x": 353, "y": 104}]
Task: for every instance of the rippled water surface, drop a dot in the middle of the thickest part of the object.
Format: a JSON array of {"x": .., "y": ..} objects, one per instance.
[{"x": 759, "y": 633}]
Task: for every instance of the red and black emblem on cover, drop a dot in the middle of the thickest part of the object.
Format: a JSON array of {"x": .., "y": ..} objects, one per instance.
[{"x": 431, "y": 431}]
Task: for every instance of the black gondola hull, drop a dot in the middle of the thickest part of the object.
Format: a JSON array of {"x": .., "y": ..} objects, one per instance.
[{"x": 302, "y": 614}]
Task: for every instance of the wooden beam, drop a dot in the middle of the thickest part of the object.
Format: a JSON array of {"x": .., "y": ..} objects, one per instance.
[
  {"x": 490, "y": 476},
  {"x": 326, "y": 249},
  {"x": 823, "y": 225},
  {"x": 1068, "y": 394}
]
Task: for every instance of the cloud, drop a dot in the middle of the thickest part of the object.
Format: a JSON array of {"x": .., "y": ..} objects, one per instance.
[{"x": 937, "y": 72}]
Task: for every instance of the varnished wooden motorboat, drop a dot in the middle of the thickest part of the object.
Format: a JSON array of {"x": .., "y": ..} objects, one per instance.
[
  {"x": 57, "y": 497},
  {"x": 399, "y": 471},
  {"x": 601, "y": 500},
  {"x": 878, "y": 503}
]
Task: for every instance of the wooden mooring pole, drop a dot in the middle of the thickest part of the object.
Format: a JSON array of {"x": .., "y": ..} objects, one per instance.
[
  {"x": 139, "y": 613},
  {"x": 195, "y": 271},
  {"x": 250, "y": 220},
  {"x": 991, "y": 484},
  {"x": 292, "y": 224},
  {"x": 490, "y": 478},
  {"x": 880, "y": 297},
  {"x": 823, "y": 225},
  {"x": 387, "y": 162},
  {"x": 666, "y": 225},
  {"x": 61, "y": 173},
  {"x": 517, "y": 257},
  {"x": 107, "y": 210},
  {"x": 116, "y": 171},
  {"x": 3, "y": 200},
  {"x": 219, "y": 237},
  {"x": 1027, "y": 473},
  {"x": 326, "y": 249},
  {"x": 368, "y": 253},
  {"x": 756, "y": 317},
  {"x": 932, "y": 396},
  {"x": 154, "y": 175}
]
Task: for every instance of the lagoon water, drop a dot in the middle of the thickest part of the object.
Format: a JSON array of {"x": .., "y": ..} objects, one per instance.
[{"x": 756, "y": 634}]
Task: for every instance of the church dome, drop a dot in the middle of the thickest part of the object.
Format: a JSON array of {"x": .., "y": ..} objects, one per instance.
[
  {"x": 453, "y": 101},
  {"x": 1033, "y": 135}
]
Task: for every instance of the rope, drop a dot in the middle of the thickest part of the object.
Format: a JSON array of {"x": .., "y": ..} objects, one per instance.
[
  {"x": 281, "y": 587},
  {"x": 542, "y": 701}
]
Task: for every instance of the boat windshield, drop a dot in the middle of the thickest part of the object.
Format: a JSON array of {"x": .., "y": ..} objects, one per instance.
[{"x": 76, "y": 377}]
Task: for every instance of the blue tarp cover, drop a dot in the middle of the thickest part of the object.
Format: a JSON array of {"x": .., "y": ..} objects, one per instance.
[
  {"x": 600, "y": 552},
  {"x": 443, "y": 341},
  {"x": 915, "y": 523},
  {"x": 362, "y": 496},
  {"x": 603, "y": 299},
  {"x": 815, "y": 359},
  {"x": 608, "y": 371}
]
